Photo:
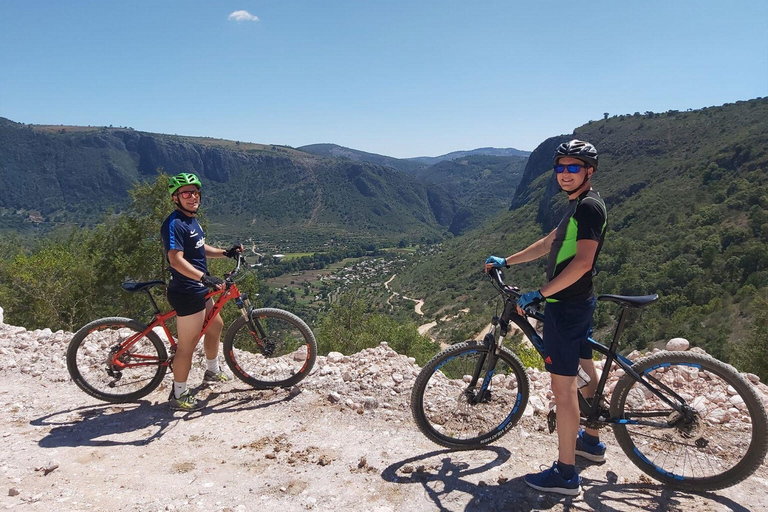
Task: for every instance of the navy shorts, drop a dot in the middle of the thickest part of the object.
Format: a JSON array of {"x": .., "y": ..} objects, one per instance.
[
  {"x": 566, "y": 328},
  {"x": 186, "y": 303}
]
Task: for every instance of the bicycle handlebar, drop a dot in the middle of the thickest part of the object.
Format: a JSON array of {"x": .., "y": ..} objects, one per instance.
[{"x": 511, "y": 291}]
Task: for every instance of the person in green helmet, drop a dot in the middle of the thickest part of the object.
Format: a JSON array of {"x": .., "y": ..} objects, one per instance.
[{"x": 187, "y": 253}]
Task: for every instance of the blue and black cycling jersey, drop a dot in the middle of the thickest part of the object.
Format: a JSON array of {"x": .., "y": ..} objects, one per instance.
[
  {"x": 183, "y": 233},
  {"x": 584, "y": 219}
]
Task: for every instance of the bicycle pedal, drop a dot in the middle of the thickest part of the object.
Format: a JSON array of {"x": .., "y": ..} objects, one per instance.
[{"x": 551, "y": 421}]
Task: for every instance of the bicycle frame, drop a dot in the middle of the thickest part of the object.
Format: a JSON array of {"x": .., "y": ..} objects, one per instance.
[
  {"x": 230, "y": 292},
  {"x": 590, "y": 408}
]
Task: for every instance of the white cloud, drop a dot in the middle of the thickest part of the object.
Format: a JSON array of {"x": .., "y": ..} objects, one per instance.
[{"x": 242, "y": 16}]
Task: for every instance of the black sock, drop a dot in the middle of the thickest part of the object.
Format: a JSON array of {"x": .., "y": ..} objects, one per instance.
[
  {"x": 567, "y": 470},
  {"x": 590, "y": 440}
]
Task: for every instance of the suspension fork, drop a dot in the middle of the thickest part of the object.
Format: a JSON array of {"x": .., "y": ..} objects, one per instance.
[
  {"x": 488, "y": 361},
  {"x": 246, "y": 310}
]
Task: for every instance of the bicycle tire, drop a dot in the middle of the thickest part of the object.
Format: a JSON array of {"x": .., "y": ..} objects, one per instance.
[
  {"x": 713, "y": 451},
  {"x": 440, "y": 401},
  {"x": 90, "y": 352},
  {"x": 289, "y": 356}
]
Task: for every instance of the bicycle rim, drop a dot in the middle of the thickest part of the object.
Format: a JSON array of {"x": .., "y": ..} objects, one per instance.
[
  {"x": 281, "y": 358},
  {"x": 718, "y": 445},
  {"x": 445, "y": 407},
  {"x": 96, "y": 368}
]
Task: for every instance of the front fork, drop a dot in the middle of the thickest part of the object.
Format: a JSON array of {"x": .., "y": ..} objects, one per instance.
[
  {"x": 488, "y": 361},
  {"x": 246, "y": 310}
]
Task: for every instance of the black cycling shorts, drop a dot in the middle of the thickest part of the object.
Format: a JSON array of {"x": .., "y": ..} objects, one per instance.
[
  {"x": 566, "y": 328},
  {"x": 186, "y": 303}
]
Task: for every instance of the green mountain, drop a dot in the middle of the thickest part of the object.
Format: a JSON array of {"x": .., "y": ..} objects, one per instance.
[
  {"x": 483, "y": 185},
  {"x": 687, "y": 215},
  {"x": 432, "y": 160},
  {"x": 482, "y": 180},
  {"x": 55, "y": 175},
  {"x": 336, "y": 151}
]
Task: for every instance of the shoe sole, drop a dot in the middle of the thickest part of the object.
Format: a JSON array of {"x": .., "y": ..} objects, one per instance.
[
  {"x": 590, "y": 456},
  {"x": 190, "y": 409},
  {"x": 559, "y": 490}
]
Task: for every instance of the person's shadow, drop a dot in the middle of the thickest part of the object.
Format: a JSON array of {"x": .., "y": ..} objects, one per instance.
[
  {"x": 140, "y": 423},
  {"x": 443, "y": 475}
]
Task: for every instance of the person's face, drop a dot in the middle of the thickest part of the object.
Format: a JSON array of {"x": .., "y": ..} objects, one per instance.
[
  {"x": 570, "y": 182},
  {"x": 188, "y": 196}
]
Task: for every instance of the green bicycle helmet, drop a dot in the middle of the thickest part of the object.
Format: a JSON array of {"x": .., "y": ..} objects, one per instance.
[{"x": 181, "y": 179}]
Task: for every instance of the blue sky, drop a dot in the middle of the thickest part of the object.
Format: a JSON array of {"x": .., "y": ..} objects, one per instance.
[{"x": 400, "y": 78}]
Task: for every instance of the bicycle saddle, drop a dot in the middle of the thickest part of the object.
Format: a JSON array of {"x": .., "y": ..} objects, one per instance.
[
  {"x": 133, "y": 286},
  {"x": 636, "y": 301}
]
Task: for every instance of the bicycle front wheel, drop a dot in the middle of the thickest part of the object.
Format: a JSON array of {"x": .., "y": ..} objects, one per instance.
[
  {"x": 717, "y": 441},
  {"x": 99, "y": 366},
  {"x": 281, "y": 358},
  {"x": 445, "y": 404}
]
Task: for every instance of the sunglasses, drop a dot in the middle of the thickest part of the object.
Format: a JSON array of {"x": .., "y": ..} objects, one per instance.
[
  {"x": 572, "y": 168},
  {"x": 189, "y": 193}
]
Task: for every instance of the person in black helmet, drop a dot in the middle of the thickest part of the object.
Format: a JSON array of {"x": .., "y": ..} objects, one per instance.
[
  {"x": 187, "y": 254},
  {"x": 572, "y": 249}
]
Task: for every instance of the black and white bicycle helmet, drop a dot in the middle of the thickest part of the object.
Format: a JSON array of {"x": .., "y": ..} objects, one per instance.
[{"x": 575, "y": 148}]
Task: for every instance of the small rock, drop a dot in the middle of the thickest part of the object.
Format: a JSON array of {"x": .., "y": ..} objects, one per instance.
[
  {"x": 334, "y": 397},
  {"x": 335, "y": 357},
  {"x": 48, "y": 468},
  {"x": 678, "y": 344},
  {"x": 13, "y": 491}
]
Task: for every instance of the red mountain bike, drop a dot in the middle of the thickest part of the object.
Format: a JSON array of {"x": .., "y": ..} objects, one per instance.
[{"x": 121, "y": 360}]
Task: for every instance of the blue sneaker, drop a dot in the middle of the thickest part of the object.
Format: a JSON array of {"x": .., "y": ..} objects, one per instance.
[
  {"x": 593, "y": 452},
  {"x": 551, "y": 480}
]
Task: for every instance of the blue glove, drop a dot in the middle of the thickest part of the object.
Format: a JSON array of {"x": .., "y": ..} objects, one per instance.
[
  {"x": 496, "y": 261},
  {"x": 529, "y": 299}
]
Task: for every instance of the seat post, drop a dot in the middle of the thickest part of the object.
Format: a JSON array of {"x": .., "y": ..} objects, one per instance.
[
  {"x": 619, "y": 328},
  {"x": 152, "y": 300}
]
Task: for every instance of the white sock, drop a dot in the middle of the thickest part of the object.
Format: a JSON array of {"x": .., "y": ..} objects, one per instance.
[
  {"x": 213, "y": 364},
  {"x": 179, "y": 388}
]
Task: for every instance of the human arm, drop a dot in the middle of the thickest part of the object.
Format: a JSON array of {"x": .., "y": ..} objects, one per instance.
[
  {"x": 575, "y": 270},
  {"x": 580, "y": 264},
  {"x": 215, "y": 252},
  {"x": 182, "y": 266},
  {"x": 534, "y": 251},
  {"x": 185, "y": 268}
]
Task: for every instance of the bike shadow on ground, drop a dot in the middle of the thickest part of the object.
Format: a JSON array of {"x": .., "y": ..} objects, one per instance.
[
  {"x": 142, "y": 422},
  {"x": 497, "y": 484}
]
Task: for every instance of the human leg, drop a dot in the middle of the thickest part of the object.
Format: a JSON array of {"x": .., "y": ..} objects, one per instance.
[
  {"x": 567, "y": 403},
  {"x": 588, "y": 391},
  {"x": 213, "y": 334},
  {"x": 188, "y": 328},
  {"x": 211, "y": 343}
]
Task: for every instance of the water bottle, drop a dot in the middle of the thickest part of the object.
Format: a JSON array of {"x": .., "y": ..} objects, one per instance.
[{"x": 582, "y": 378}]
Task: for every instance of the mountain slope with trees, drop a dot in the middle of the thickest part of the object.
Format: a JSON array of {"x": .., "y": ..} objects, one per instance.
[
  {"x": 687, "y": 218},
  {"x": 75, "y": 174}
]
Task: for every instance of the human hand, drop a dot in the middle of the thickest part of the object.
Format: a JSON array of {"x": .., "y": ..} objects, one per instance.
[
  {"x": 212, "y": 282},
  {"x": 233, "y": 251},
  {"x": 494, "y": 262},
  {"x": 528, "y": 299}
]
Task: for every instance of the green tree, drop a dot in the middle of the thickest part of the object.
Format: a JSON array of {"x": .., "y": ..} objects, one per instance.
[{"x": 350, "y": 327}]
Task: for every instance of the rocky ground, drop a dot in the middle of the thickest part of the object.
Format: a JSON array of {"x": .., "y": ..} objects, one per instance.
[{"x": 343, "y": 441}]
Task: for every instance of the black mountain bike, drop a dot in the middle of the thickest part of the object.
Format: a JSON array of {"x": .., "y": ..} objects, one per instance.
[{"x": 683, "y": 418}]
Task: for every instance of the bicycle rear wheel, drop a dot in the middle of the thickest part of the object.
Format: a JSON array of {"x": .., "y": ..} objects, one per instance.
[
  {"x": 720, "y": 441},
  {"x": 280, "y": 359},
  {"x": 442, "y": 400},
  {"x": 95, "y": 367}
]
